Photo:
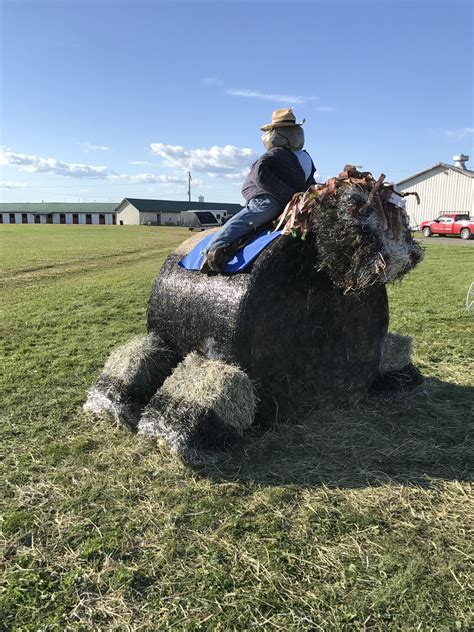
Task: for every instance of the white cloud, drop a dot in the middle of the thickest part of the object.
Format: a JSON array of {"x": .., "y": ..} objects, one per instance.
[
  {"x": 290, "y": 99},
  {"x": 11, "y": 184},
  {"x": 324, "y": 108},
  {"x": 139, "y": 162},
  {"x": 215, "y": 159},
  {"x": 150, "y": 178},
  {"x": 459, "y": 133},
  {"x": 238, "y": 175},
  {"x": 212, "y": 81},
  {"x": 90, "y": 147},
  {"x": 37, "y": 164}
]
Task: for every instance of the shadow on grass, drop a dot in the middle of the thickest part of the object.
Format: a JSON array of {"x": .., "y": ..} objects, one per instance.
[{"x": 409, "y": 442}]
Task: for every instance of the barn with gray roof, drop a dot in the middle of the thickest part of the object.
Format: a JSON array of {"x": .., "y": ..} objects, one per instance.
[
  {"x": 167, "y": 212},
  {"x": 129, "y": 211},
  {"x": 442, "y": 188}
]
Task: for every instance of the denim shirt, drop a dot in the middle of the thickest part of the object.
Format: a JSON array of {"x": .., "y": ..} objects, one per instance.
[{"x": 278, "y": 173}]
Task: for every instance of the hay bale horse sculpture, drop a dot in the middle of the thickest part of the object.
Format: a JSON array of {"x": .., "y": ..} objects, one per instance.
[{"x": 304, "y": 324}]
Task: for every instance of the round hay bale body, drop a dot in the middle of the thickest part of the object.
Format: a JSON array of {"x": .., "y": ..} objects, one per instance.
[{"x": 301, "y": 339}]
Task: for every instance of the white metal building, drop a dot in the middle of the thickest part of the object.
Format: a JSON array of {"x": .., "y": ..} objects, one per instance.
[
  {"x": 57, "y": 213},
  {"x": 166, "y": 212},
  {"x": 442, "y": 188}
]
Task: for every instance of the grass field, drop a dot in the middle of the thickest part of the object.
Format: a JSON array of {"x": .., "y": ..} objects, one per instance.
[{"x": 346, "y": 520}]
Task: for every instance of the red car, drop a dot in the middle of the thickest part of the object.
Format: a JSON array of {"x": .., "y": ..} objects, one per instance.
[{"x": 449, "y": 224}]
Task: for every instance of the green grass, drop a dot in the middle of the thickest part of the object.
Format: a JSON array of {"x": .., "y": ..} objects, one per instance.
[{"x": 344, "y": 520}]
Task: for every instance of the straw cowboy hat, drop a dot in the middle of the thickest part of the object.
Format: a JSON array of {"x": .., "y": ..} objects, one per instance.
[{"x": 283, "y": 117}]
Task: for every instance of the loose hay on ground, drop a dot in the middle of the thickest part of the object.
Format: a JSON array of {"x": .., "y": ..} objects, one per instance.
[{"x": 202, "y": 404}]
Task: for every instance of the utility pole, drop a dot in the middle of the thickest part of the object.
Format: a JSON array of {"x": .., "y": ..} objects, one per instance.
[{"x": 189, "y": 186}]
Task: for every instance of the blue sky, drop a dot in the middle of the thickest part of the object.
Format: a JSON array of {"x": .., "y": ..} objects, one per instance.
[{"x": 106, "y": 99}]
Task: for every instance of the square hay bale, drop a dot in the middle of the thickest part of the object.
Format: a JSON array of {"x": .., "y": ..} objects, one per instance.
[
  {"x": 396, "y": 352},
  {"x": 203, "y": 404},
  {"x": 398, "y": 377},
  {"x": 130, "y": 376}
]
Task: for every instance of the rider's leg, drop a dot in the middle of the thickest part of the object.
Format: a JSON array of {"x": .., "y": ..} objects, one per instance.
[{"x": 259, "y": 211}]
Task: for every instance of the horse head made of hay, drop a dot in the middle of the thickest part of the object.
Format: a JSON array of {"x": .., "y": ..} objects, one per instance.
[{"x": 359, "y": 228}]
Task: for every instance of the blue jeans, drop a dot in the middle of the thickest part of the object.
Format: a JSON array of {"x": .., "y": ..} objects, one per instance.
[{"x": 259, "y": 210}]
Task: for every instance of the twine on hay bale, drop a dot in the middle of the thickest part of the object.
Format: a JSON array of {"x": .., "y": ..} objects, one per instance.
[
  {"x": 130, "y": 376},
  {"x": 360, "y": 227},
  {"x": 203, "y": 404}
]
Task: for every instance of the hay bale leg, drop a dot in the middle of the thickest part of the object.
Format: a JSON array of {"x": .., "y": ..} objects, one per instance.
[
  {"x": 396, "y": 352},
  {"x": 397, "y": 377},
  {"x": 203, "y": 405},
  {"x": 129, "y": 378}
]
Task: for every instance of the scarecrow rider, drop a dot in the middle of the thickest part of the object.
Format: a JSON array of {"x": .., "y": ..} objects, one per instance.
[{"x": 285, "y": 169}]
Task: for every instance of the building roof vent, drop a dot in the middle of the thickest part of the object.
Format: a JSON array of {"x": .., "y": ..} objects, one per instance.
[{"x": 460, "y": 161}]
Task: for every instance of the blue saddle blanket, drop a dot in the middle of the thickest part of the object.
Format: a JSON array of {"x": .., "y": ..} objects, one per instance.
[{"x": 242, "y": 258}]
